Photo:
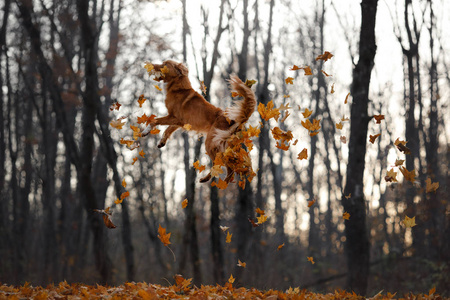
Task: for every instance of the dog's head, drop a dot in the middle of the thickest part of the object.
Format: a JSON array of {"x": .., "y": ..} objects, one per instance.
[{"x": 169, "y": 70}]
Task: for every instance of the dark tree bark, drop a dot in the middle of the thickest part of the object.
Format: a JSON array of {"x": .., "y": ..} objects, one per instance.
[{"x": 357, "y": 247}]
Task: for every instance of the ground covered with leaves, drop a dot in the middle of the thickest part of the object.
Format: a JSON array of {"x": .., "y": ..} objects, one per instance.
[{"x": 182, "y": 289}]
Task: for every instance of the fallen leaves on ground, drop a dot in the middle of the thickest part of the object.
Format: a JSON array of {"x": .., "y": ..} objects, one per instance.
[{"x": 181, "y": 289}]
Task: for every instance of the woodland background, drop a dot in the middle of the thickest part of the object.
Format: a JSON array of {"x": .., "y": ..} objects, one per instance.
[{"x": 63, "y": 63}]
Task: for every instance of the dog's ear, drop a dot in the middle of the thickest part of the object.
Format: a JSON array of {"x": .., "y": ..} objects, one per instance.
[{"x": 181, "y": 69}]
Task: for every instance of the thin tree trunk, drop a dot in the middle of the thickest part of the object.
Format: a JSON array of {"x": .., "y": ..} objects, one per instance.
[{"x": 357, "y": 246}]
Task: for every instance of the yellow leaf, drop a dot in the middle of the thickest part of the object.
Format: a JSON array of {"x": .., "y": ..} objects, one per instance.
[
  {"x": 163, "y": 236},
  {"x": 268, "y": 112},
  {"x": 118, "y": 201},
  {"x": 184, "y": 204},
  {"x": 346, "y": 216},
  {"x": 250, "y": 82},
  {"x": 203, "y": 87},
  {"x": 231, "y": 279},
  {"x": 241, "y": 264},
  {"x": 124, "y": 184},
  {"x": 307, "y": 113},
  {"x": 348, "y": 196},
  {"x": 228, "y": 239},
  {"x": 117, "y": 124},
  {"x": 260, "y": 211},
  {"x": 187, "y": 127},
  {"x": 142, "y": 153},
  {"x": 409, "y": 222},
  {"x": 261, "y": 219},
  {"x": 149, "y": 67},
  {"x": 311, "y": 259},
  {"x": 199, "y": 167}
]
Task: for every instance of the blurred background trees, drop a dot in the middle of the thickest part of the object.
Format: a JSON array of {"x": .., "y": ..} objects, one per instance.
[{"x": 62, "y": 65}]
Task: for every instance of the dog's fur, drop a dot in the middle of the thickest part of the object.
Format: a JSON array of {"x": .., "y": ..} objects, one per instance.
[{"x": 186, "y": 106}]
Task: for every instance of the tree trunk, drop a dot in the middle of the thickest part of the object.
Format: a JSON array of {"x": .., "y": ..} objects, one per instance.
[{"x": 357, "y": 247}]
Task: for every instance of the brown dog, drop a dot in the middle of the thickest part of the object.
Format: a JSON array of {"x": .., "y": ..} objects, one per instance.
[{"x": 186, "y": 106}]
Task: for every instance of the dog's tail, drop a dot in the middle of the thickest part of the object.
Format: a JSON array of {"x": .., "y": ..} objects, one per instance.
[{"x": 241, "y": 110}]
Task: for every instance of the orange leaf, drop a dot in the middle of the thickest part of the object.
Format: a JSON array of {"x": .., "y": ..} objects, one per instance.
[
  {"x": 311, "y": 202},
  {"x": 115, "y": 106},
  {"x": 241, "y": 264},
  {"x": 311, "y": 259},
  {"x": 184, "y": 204},
  {"x": 391, "y": 176},
  {"x": 106, "y": 217},
  {"x": 163, "y": 236},
  {"x": 261, "y": 219},
  {"x": 268, "y": 112},
  {"x": 260, "y": 211},
  {"x": 378, "y": 118},
  {"x": 117, "y": 124},
  {"x": 199, "y": 167},
  {"x": 332, "y": 89},
  {"x": 231, "y": 279},
  {"x": 372, "y": 138},
  {"x": 134, "y": 160},
  {"x": 154, "y": 131},
  {"x": 325, "y": 73},
  {"x": 325, "y": 56},
  {"x": 289, "y": 80},
  {"x": 346, "y": 216},
  {"x": 307, "y": 70},
  {"x": 221, "y": 184},
  {"x": 141, "y": 100},
  {"x": 294, "y": 68},
  {"x": 124, "y": 184},
  {"x": 307, "y": 113},
  {"x": 303, "y": 154},
  {"x": 124, "y": 195},
  {"x": 343, "y": 139},
  {"x": 280, "y": 246},
  {"x": 339, "y": 125},
  {"x": 142, "y": 153},
  {"x": 228, "y": 239}
]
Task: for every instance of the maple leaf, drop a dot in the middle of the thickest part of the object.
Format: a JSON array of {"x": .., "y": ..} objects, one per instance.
[
  {"x": 115, "y": 106},
  {"x": 224, "y": 228},
  {"x": 124, "y": 184},
  {"x": 343, "y": 139},
  {"x": 222, "y": 184},
  {"x": 241, "y": 264},
  {"x": 124, "y": 195},
  {"x": 339, "y": 125},
  {"x": 163, "y": 236},
  {"x": 250, "y": 82},
  {"x": 346, "y": 216},
  {"x": 303, "y": 154},
  {"x": 348, "y": 196},
  {"x": 117, "y": 124},
  {"x": 136, "y": 132},
  {"x": 325, "y": 56},
  {"x": 231, "y": 279},
  {"x": 332, "y": 89},
  {"x": 401, "y": 146},
  {"x": 294, "y": 68},
  {"x": 307, "y": 70},
  {"x": 118, "y": 201},
  {"x": 378, "y": 118},
  {"x": 144, "y": 119},
  {"x": 141, "y": 100},
  {"x": 372, "y": 138},
  {"x": 311, "y": 259},
  {"x": 106, "y": 214},
  {"x": 142, "y": 153},
  {"x": 289, "y": 80},
  {"x": 149, "y": 67},
  {"x": 311, "y": 202},
  {"x": 216, "y": 170},
  {"x": 346, "y": 98},
  {"x": 254, "y": 224},
  {"x": 134, "y": 160},
  {"x": 165, "y": 70},
  {"x": 344, "y": 119},
  {"x": 261, "y": 219},
  {"x": 280, "y": 246},
  {"x": 307, "y": 113},
  {"x": 391, "y": 176},
  {"x": 409, "y": 222},
  {"x": 284, "y": 107},
  {"x": 268, "y": 112},
  {"x": 431, "y": 187},
  {"x": 228, "y": 239},
  {"x": 184, "y": 203},
  {"x": 155, "y": 131},
  {"x": 409, "y": 175},
  {"x": 198, "y": 167},
  {"x": 260, "y": 211},
  {"x": 399, "y": 162}
]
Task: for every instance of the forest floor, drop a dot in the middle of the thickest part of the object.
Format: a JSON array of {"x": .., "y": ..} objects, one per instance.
[{"x": 183, "y": 289}]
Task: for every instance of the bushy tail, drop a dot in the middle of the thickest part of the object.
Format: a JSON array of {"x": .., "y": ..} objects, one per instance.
[{"x": 241, "y": 110}]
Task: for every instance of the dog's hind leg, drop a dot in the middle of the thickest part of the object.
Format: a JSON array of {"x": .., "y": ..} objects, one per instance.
[{"x": 167, "y": 133}]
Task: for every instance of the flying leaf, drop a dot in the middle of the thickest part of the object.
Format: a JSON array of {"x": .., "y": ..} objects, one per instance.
[
  {"x": 149, "y": 67},
  {"x": 325, "y": 56},
  {"x": 184, "y": 204},
  {"x": 124, "y": 195},
  {"x": 372, "y": 138},
  {"x": 154, "y": 131},
  {"x": 307, "y": 113},
  {"x": 141, "y": 100},
  {"x": 260, "y": 211},
  {"x": 343, "y": 139},
  {"x": 348, "y": 196},
  {"x": 325, "y": 73},
  {"x": 280, "y": 246},
  {"x": 115, "y": 106},
  {"x": 163, "y": 236},
  {"x": 294, "y": 68},
  {"x": 339, "y": 125},
  {"x": 221, "y": 184},
  {"x": 124, "y": 184},
  {"x": 378, "y": 118},
  {"x": 346, "y": 98},
  {"x": 332, "y": 89},
  {"x": 118, "y": 201},
  {"x": 399, "y": 162},
  {"x": 254, "y": 224},
  {"x": 203, "y": 87},
  {"x": 284, "y": 107},
  {"x": 241, "y": 264},
  {"x": 346, "y": 216},
  {"x": 199, "y": 167},
  {"x": 231, "y": 279},
  {"x": 250, "y": 82},
  {"x": 117, "y": 124},
  {"x": 228, "y": 239},
  {"x": 431, "y": 187},
  {"x": 409, "y": 222},
  {"x": 303, "y": 154},
  {"x": 311, "y": 259},
  {"x": 142, "y": 153},
  {"x": 391, "y": 176},
  {"x": 307, "y": 70},
  {"x": 409, "y": 175},
  {"x": 134, "y": 160},
  {"x": 144, "y": 119},
  {"x": 311, "y": 202},
  {"x": 401, "y": 146},
  {"x": 344, "y": 119},
  {"x": 289, "y": 80},
  {"x": 165, "y": 70},
  {"x": 261, "y": 219},
  {"x": 224, "y": 228},
  {"x": 129, "y": 143},
  {"x": 106, "y": 217},
  {"x": 268, "y": 112},
  {"x": 156, "y": 87}
]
